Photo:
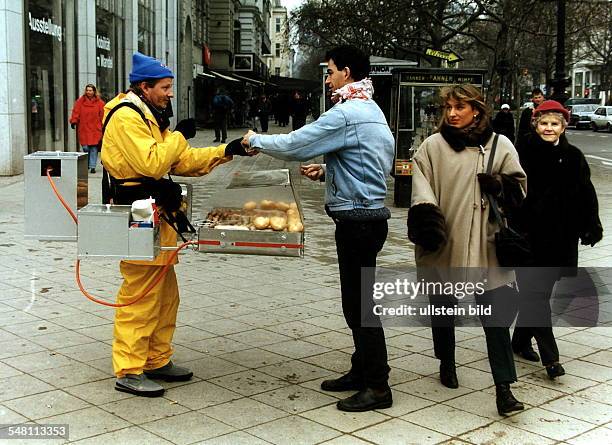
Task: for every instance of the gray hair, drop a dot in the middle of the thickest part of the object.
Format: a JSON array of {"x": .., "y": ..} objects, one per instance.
[{"x": 539, "y": 117}]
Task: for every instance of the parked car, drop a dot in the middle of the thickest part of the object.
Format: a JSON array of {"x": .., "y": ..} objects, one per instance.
[
  {"x": 582, "y": 101},
  {"x": 580, "y": 115},
  {"x": 601, "y": 119}
]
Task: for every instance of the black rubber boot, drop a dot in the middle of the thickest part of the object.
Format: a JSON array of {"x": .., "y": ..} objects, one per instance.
[{"x": 448, "y": 375}]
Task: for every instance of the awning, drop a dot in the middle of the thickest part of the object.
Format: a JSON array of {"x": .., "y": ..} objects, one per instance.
[
  {"x": 248, "y": 79},
  {"x": 224, "y": 77}
]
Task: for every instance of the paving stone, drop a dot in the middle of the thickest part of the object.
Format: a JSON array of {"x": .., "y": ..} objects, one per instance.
[
  {"x": 243, "y": 413},
  {"x": 71, "y": 375},
  {"x": 400, "y": 432},
  {"x": 296, "y": 371},
  {"x": 344, "y": 421},
  {"x": 595, "y": 436},
  {"x": 200, "y": 395},
  {"x": 127, "y": 436},
  {"x": 236, "y": 438},
  {"x": 21, "y": 386},
  {"x": 88, "y": 422},
  {"x": 46, "y": 404},
  {"x": 455, "y": 422},
  {"x": 139, "y": 410},
  {"x": 293, "y": 430},
  {"x": 253, "y": 358},
  {"x": 209, "y": 367},
  {"x": 294, "y": 399},
  {"x": 546, "y": 423},
  {"x": 502, "y": 434},
  {"x": 431, "y": 389},
  {"x": 200, "y": 428},
  {"x": 98, "y": 392},
  {"x": 249, "y": 382},
  {"x": 581, "y": 408}
]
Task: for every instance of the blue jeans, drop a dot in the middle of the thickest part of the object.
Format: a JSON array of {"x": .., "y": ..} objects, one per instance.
[{"x": 92, "y": 155}]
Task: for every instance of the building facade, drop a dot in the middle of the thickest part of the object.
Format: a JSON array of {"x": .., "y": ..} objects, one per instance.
[
  {"x": 280, "y": 59},
  {"x": 52, "y": 48}
]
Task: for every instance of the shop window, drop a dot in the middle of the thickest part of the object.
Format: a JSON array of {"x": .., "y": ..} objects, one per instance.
[
  {"x": 109, "y": 40},
  {"x": 146, "y": 27},
  {"x": 45, "y": 54}
]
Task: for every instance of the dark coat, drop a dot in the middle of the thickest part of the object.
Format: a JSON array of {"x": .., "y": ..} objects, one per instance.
[
  {"x": 561, "y": 205},
  {"x": 503, "y": 123},
  {"x": 525, "y": 129}
]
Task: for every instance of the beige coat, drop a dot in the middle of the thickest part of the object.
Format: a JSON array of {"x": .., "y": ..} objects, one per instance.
[{"x": 447, "y": 178}]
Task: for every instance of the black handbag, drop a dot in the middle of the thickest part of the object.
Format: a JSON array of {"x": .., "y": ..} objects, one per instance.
[{"x": 511, "y": 247}]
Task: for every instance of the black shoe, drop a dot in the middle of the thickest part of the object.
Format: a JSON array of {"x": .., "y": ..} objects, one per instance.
[
  {"x": 223, "y": 141},
  {"x": 527, "y": 353},
  {"x": 448, "y": 375},
  {"x": 345, "y": 383},
  {"x": 367, "y": 400},
  {"x": 93, "y": 170},
  {"x": 506, "y": 403},
  {"x": 170, "y": 373},
  {"x": 215, "y": 140},
  {"x": 555, "y": 370}
]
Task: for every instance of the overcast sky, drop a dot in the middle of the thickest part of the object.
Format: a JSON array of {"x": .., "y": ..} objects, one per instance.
[{"x": 290, "y": 4}]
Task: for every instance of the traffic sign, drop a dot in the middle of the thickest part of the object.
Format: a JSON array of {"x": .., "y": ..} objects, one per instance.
[{"x": 450, "y": 56}]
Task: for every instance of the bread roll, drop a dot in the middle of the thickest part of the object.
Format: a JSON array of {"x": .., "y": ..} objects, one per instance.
[
  {"x": 261, "y": 222},
  {"x": 295, "y": 226},
  {"x": 266, "y": 204},
  {"x": 278, "y": 222},
  {"x": 249, "y": 205}
]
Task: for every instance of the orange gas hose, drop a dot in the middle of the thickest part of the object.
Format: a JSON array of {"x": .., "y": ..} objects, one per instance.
[{"x": 162, "y": 273}]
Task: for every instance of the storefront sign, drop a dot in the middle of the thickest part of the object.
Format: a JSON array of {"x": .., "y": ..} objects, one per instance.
[
  {"x": 103, "y": 61},
  {"x": 441, "y": 78},
  {"x": 450, "y": 56},
  {"x": 45, "y": 26}
]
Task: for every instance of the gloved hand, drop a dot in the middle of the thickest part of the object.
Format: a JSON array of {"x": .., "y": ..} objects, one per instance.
[
  {"x": 236, "y": 148},
  {"x": 591, "y": 237},
  {"x": 490, "y": 184},
  {"x": 73, "y": 125},
  {"x": 427, "y": 227},
  {"x": 187, "y": 127}
]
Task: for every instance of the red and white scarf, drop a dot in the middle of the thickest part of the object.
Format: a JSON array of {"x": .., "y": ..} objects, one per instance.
[{"x": 362, "y": 89}]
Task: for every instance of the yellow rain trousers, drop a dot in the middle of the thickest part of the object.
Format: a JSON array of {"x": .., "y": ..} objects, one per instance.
[
  {"x": 130, "y": 148},
  {"x": 143, "y": 331}
]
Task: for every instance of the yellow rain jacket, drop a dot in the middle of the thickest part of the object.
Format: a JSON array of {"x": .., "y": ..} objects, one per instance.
[
  {"x": 143, "y": 331},
  {"x": 132, "y": 149}
]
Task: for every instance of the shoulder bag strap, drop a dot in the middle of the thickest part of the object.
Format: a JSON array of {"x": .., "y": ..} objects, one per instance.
[{"x": 491, "y": 199}]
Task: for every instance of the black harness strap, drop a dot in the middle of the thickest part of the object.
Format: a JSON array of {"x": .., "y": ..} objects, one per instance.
[{"x": 166, "y": 192}]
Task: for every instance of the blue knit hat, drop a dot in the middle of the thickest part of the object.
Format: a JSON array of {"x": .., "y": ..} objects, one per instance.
[{"x": 145, "y": 68}]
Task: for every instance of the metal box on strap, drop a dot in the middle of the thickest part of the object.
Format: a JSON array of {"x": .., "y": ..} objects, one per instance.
[
  {"x": 105, "y": 231},
  {"x": 45, "y": 217},
  {"x": 258, "y": 213}
]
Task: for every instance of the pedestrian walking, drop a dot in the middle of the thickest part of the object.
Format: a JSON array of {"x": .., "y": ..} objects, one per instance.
[
  {"x": 222, "y": 106},
  {"x": 298, "y": 110},
  {"x": 503, "y": 122},
  {"x": 138, "y": 150},
  {"x": 358, "y": 149},
  {"x": 525, "y": 128},
  {"x": 86, "y": 118},
  {"x": 449, "y": 224},
  {"x": 264, "y": 108},
  {"x": 561, "y": 210}
]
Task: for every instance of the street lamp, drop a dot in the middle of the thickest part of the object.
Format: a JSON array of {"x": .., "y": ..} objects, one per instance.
[{"x": 560, "y": 82}]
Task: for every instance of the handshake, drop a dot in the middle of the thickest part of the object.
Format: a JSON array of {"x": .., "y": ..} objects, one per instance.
[{"x": 241, "y": 147}]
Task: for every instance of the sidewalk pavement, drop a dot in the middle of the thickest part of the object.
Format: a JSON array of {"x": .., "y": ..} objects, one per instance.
[{"x": 260, "y": 333}]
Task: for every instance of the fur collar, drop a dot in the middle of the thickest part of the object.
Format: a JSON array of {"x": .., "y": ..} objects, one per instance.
[{"x": 471, "y": 136}]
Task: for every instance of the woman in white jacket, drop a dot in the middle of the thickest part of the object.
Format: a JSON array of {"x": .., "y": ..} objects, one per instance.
[{"x": 450, "y": 224}]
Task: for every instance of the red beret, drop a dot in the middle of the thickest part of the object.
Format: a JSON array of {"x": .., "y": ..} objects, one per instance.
[{"x": 550, "y": 106}]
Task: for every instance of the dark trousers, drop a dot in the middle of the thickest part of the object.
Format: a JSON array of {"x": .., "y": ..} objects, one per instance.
[
  {"x": 221, "y": 126},
  {"x": 534, "y": 318},
  {"x": 497, "y": 332},
  {"x": 298, "y": 122},
  {"x": 357, "y": 244},
  {"x": 264, "y": 118}
]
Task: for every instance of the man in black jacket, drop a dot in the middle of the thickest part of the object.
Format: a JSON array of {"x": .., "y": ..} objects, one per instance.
[{"x": 525, "y": 128}]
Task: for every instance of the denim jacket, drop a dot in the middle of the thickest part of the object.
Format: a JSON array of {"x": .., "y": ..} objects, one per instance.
[{"x": 358, "y": 149}]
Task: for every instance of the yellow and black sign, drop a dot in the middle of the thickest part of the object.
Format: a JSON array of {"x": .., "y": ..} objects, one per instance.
[
  {"x": 450, "y": 56},
  {"x": 403, "y": 167}
]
